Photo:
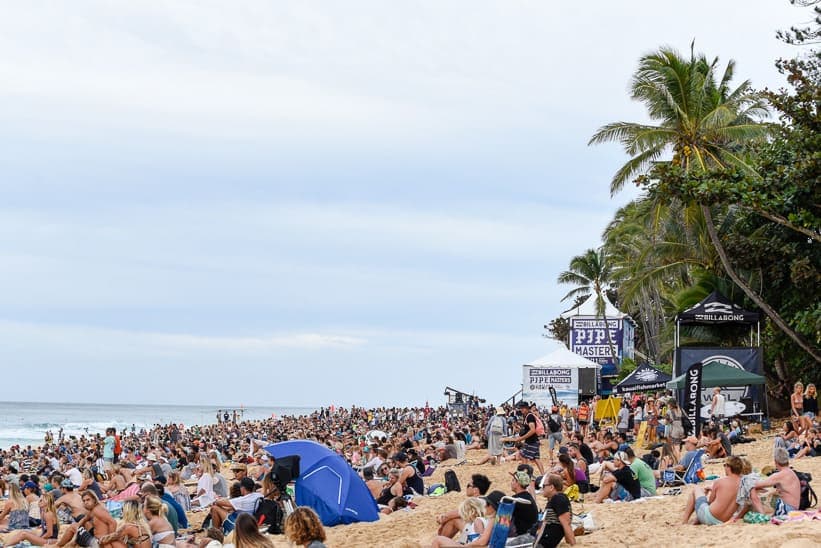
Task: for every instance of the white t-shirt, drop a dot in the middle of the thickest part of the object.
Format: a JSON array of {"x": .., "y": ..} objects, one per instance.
[
  {"x": 206, "y": 483},
  {"x": 246, "y": 503}
]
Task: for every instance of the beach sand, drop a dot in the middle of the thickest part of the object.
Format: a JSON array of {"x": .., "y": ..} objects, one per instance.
[{"x": 653, "y": 522}]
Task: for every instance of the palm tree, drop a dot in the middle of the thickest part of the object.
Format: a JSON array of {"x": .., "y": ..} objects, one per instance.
[
  {"x": 705, "y": 124},
  {"x": 591, "y": 275}
]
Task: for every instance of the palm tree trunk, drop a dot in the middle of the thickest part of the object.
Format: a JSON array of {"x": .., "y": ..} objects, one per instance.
[{"x": 770, "y": 311}]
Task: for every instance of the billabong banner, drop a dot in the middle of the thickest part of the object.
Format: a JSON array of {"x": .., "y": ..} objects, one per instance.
[
  {"x": 537, "y": 382},
  {"x": 748, "y": 359},
  {"x": 692, "y": 398}
]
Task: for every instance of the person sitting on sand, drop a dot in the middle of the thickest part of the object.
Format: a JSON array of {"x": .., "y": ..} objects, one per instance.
[
  {"x": 246, "y": 502},
  {"x": 303, "y": 528},
  {"x": 525, "y": 514},
  {"x": 619, "y": 481},
  {"x": 409, "y": 478},
  {"x": 716, "y": 503},
  {"x": 49, "y": 526},
  {"x": 450, "y": 523},
  {"x": 492, "y": 502},
  {"x": 132, "y": 532},
  {"x": 374, "y": 485},
  {"x": 471, "y": 513},
  {"x": 786, "y": 483},
  {"x": 71, "y": 499},
  {"x": 96, "y": 520},
  {"x": 810, "y": 446},
  {"x": 555, "y": 524}
]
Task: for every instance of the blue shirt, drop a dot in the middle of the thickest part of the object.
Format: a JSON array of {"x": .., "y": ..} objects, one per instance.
[{"x": 181, "y": 517}]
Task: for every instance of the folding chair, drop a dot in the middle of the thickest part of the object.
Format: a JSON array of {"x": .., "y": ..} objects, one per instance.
[
  {"x": 501, "y": 528},
  {"x": 671, "y": 477}
]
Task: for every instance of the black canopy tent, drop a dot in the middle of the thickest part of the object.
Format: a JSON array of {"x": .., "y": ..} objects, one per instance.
[
  {"x": 644, "y": 377},
  {"x": 716, "y": 309}
]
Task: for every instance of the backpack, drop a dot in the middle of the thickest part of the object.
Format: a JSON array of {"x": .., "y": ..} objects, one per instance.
[
  {"x": 118, "y": 447},
  {"x": 497, "y": 425},
  {"x": 451, "y": 482},
  {"x": 552, "y": 425},
  {"x": 808, "y": 497},
  {"x": 268, "y": 512},
  {"x": 539, "y": 426}
]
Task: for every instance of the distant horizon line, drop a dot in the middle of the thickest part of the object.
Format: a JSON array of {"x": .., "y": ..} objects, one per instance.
[{"x": 162, "y": 404}]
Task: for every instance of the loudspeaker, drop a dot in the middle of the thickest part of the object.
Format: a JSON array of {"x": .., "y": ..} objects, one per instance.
[{"x": 587, "y": 381}]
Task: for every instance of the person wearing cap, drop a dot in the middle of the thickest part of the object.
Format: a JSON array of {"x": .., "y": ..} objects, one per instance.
[
  {"x": 525, "y": 514},
  {"x": 495, "y": 431},
  {"x": 619, "y": 481},
  {"x": 527, "y": 434},
  {"x": 240, "y": 470},
  {"x": 247, "y": 502},
  {"x": 555, "y": 524},
  {"x": 70, "y": 499},
  {"x": 30, "y": 490},
  {"x": 690, "y": 452}
]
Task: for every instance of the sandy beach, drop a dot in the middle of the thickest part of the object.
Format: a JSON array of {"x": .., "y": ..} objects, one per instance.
[{"x": 653, "y": 522}]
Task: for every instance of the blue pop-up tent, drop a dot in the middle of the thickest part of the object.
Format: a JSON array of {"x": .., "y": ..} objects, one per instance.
[{"x": 327, "y": 483}]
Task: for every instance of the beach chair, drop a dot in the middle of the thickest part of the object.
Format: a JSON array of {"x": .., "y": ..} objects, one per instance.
[
  {"x": 671, "y": 477},
  {"x": 501, "y": 528}
]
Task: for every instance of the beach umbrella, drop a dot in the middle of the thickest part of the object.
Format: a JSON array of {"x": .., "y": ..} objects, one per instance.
[{"x": 327, "y": 483}]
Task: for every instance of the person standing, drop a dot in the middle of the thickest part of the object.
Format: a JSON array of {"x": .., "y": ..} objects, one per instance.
[
  {"x": 495, "y": 431},
  {"x": 717, "y": 411},
  {"x": 530, "y": 451},
  {"x": 810, "y": 402}
]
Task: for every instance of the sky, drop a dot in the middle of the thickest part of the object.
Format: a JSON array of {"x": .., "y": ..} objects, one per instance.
[{"x": 313, "y": 203}]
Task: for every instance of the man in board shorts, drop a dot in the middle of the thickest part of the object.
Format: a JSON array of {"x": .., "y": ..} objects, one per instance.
[{"x": 530, "y": 450}]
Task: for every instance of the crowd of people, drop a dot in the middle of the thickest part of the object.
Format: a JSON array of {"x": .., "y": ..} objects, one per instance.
[{"x": 72, "y": 481}]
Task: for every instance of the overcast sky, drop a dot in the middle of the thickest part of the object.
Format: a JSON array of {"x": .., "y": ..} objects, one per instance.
[{"x": 305, "y": 203}]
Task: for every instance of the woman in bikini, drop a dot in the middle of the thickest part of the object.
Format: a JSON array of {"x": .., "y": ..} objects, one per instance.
[
  {"x": 162, "y": 533},
  {"x": 49, "y": 526},
  {"x": 133, "y": 531}
]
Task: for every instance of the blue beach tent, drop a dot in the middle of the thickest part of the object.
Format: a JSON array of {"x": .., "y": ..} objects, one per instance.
[{"x": 327, "y": 483}]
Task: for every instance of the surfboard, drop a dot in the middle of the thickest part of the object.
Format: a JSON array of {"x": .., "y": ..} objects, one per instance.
[{"x": 731, "y": 408}]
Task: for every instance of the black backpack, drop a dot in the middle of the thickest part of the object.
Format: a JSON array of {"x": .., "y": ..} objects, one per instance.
[
  {"x": 553, "y": 425},
  {"x": 451, "y": 482},
  {"x": 268, "y": 512},
  {"x": 808, "y": 497}
]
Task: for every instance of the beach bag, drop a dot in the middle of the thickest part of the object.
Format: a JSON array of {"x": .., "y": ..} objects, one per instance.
[
  {"x": 552, "y": 424},
  {"x": 268, "y": 512},
  {"x": 808, "y": 497},
  {"x": 452, "y": 482},
  {"x": 539, "y": 426},
  {"x": 436, "y": 490},
  {"x": 572, "y": 493}
]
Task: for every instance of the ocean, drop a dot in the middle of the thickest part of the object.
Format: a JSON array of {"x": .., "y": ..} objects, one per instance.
[{"x": 26, "y": 423}]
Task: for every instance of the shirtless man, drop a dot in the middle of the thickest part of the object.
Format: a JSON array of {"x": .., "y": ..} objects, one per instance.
[
  {"x": 71, "y": 499},
  {"x": 715, "y": 504},
  {"x": 786, "y": 485},
  {"x": 97, "y": 521}
]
